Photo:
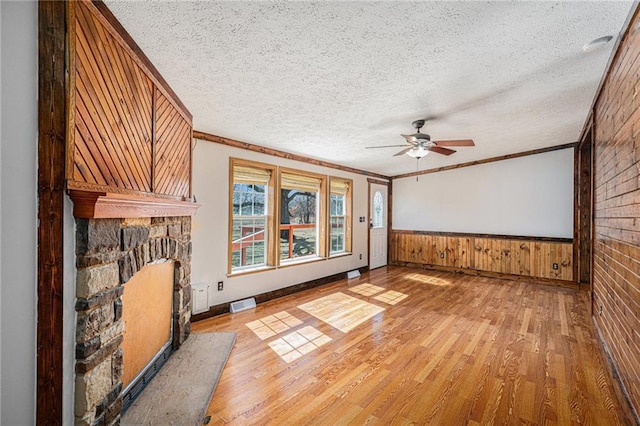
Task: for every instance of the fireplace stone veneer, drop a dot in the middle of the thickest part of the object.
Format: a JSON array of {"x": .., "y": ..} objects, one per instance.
[{"x": 108, "y": 253}]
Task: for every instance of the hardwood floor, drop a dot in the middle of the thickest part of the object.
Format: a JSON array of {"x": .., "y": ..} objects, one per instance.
[{"x": 446, "y": 350}]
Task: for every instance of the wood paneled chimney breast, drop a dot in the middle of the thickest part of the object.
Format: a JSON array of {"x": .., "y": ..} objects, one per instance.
[{"x": 129, "y": 135}]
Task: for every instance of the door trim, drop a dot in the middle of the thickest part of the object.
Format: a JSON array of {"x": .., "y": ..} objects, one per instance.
[{"x": 371, "y": 181}]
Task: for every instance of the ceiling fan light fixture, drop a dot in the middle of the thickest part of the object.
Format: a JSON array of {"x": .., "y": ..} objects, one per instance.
[{"x": 418, "y": 152}]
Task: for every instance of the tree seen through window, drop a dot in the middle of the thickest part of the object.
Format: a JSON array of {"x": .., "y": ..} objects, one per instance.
[{"x": 298, "y": 227}]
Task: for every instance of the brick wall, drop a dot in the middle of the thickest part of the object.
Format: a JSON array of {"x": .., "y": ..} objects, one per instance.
[{"x": 616, "y": 251}]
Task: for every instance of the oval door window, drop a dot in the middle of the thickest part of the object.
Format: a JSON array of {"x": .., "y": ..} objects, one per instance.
[{"x": 378, "y": 210}]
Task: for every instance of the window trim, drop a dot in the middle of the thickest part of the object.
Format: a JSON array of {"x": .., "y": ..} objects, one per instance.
[
  {"x": 348, "y": 233},
  {"x": 273, "y": 198},
  {"x": 270, "y": 215}
]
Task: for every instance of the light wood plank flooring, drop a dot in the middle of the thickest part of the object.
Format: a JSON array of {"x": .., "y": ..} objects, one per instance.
[{"x": 446, "y": 350}]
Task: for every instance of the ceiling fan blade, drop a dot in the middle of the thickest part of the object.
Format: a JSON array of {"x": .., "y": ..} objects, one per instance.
[
  {"x": 410, "y": 138},
  {"x": 385, "y": 146},
  {"x": 439, "y": 150},
  {"x": 455, "y": 142},
  {"x": 404, "y": 151}
]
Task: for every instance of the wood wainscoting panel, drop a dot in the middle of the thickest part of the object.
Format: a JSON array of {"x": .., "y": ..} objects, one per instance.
[{"x": 532, "y": 257}]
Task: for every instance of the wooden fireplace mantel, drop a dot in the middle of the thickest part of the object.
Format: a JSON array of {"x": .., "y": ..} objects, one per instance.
[{"x": 103, "y": 205}]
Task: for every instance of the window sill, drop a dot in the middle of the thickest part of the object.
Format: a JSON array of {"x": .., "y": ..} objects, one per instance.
[
  {"x": 287, "y": 264},
  {"x": 343, "y": 254},
  {"x": 304, "y": 261},
  {"x": 250, "y": 271}
]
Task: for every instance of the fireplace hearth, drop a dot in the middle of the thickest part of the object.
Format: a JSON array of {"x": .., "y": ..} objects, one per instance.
[{"x": 109, "y": 252}]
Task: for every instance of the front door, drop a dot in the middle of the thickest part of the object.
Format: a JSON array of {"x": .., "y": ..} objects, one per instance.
[{"x": 377, "y": 225}]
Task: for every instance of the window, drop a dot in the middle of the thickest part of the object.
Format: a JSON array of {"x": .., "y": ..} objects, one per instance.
[
  {"x": 280, "y": 216},
  {"x": 251, "y": 225},
  {"x": 337, "y": 223},
  {"x": 378, "y": 210},
  {"x": 339, "y": 216},
  {"x": 302, "y": 215}
]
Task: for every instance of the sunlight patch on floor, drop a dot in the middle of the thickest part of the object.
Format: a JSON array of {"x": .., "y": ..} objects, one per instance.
[
  {"x": 391, "y": 297},
  {"x": 428, "y": 279},
  {"x": 298, "y": 343},
  {"x": 273, "y": 324},
  {"x": 341, "y": 311},
  {"x": 366, "y": 289}
]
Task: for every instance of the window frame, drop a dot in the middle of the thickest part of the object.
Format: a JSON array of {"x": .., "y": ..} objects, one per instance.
[
  {"x": 348, "y": 206},
  {"x": 321, "y": 217},
  {"x": 270, "y": 190},
  {"x": 273, "y": 200}
]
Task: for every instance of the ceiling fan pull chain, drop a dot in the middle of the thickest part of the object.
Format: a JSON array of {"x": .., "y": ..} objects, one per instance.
[{"x": 417, "y": 161}]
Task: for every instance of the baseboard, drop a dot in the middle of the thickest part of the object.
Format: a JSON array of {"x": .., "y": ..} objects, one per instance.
[
  {"x": 223, "y": 308},
  {"x": 627, "y": 414},
  {"x": 490, "y": 274}
]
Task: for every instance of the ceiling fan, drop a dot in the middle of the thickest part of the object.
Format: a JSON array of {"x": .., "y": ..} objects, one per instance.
[{"x": 420, "y": 144}]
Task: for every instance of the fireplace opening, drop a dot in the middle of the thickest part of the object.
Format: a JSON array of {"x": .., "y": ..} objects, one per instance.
[{"x": 147, "y": 311}]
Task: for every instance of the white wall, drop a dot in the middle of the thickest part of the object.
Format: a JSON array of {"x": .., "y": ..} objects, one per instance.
[
  {"x": 210, "y": 227},
  {"x": 69, "y": 313},
  {"x": 18, "y": 211},
  {"x": 528, "y": 196}
]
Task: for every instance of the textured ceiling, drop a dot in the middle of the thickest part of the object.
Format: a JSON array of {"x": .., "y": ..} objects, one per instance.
[{"x": 327, "y": 79}]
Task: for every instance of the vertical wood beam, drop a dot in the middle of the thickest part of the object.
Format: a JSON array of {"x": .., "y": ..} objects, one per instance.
[
  {"x": 389, "y": 219},
  {"x": 52, "y": 102},
  {"x": 368, "y": 220},
  {"x": 592, "y": 230},
  {"x": 583, "y": 208},
  {"x": 191, "y": 147},
  {"x": 576, "y": 213}
]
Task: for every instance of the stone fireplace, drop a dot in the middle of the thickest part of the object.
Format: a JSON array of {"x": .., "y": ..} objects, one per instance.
[{"x": 109, "y": 252}]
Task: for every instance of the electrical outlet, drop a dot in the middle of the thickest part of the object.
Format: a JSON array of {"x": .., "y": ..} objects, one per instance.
[
  {"x": 600, "y": 309},
  {"x": 360, "y": 256},
  {"x": 441, "y": 255},
  {"x": 220, "y": 285},
  {"x": 555, "y": 266}
]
